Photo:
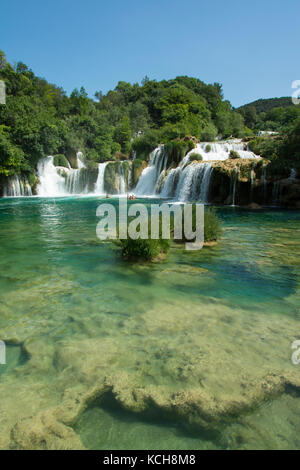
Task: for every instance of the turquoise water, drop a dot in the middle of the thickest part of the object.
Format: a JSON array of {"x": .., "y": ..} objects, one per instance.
[{"x": 190, "y": 352}]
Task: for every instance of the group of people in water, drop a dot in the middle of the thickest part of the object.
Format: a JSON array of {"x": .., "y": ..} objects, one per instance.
[{"x": 130, "y": 197}]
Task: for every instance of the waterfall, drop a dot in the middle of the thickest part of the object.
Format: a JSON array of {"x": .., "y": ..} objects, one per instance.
[
  {"x": 194, "y": 181},
  {"x": 50, "y": 182},
  {"x": 121, "y": 181},
  {"x": 76, "y": 179},
  {"x": 251, "y": 184},
  {"x": 17, "y": 187},
  {"x": 80, "y": 163},
  {"x": 99, "y": 185},
  {"x": 220, "y": 151},
  {"x": 150, "y": 175},
  {"x": 205, "y": 182},
  {"x": 170, "y": 183}
]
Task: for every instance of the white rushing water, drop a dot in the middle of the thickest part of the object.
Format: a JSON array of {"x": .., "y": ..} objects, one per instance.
[
  {"x": 99, "y": 185},
  {"x": 149, "y": 178},
  {"x": 50, "y": 182},
  {"x": 80, "y": 163},
  {"x": 189, "y": 181},
  {"x": 220, "y": 151},
  {"x": 193, "y": 183},
  {"x": 17, "y": 187},
  {"x": 61, "y": 181}
]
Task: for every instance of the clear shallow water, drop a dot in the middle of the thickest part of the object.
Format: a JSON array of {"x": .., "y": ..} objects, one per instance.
[{"x": 215, "y": 324}]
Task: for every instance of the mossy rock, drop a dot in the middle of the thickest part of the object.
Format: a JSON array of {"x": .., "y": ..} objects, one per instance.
[{"x": 138, "y": 166}]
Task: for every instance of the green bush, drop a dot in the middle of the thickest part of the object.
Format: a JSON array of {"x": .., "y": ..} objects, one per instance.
[
  {"x": 137, "y": 168},
  {"x": 177, "y": 149},
  {"x": 60, "y": 160},
  {"x": 145, "y": 250},
  {"x": 212, "y": 226},
  {"x": 196, "y": 157},
  {"x": 208, "y": 148},
  {"x": 233, "y": 155},
  {"x": 144, "y": 145}
]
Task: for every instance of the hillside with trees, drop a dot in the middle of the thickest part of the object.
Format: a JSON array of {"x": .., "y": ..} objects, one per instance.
[{"x": 39, "y": 119}]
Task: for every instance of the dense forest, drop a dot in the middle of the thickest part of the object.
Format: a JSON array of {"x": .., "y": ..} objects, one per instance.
[{"x": 39, "y": 119}]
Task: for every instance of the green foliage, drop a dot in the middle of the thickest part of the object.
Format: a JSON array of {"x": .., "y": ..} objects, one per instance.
[
  {"x": 177, "y": 149},
  {"x": 233, "y": 155},
  {"x": 122, "y": 134},
  {"x": 11, "y": 156},
  {"x": 212, "y": 226},
  {"x": 137, "y": 168},
  {"x": 144, "y": 250},
  {"x": 60, "y": 160},
  {"x": 144, "y": 145},
  {"x": 208, "y": 148},
  {"x": 209, "y": 132},
  {"x": 40, "y": 119},
  {"x": 196, "y": 157}
]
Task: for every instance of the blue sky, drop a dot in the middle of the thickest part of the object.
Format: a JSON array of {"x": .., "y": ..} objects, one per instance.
[{"x": 251, "y": 47}]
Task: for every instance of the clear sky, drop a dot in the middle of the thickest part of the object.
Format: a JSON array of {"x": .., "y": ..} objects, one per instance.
[{"x": 251, "y": 47}]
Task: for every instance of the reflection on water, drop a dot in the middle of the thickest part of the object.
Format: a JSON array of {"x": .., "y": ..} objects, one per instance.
[{"x": 208, "y": 331}]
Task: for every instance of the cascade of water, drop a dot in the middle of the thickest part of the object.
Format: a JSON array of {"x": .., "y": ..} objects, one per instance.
[
  {"x": 76, "y": 180},
  {"x": 17, "y": 187},
  {"x": 99, "y": 185},
  {"x": 150, "y": 175},
  {"x": 170, "y": 183},
  {"x": 293, "y": 174},
  {"x": 129, "y": 178},
  {"x": 205, "y": 181},
  {"x": 194, "y": 182},
  {"x": 220, "y": 151},
  {"x": 251, "y": 183},
  {"x": 121, "y": 182},
  {"x": 50, "y": 182},
  {"x": 80, "y": 163}
]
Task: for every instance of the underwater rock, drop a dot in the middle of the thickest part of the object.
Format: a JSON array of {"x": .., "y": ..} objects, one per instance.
[{"x": 44, "y": 432}]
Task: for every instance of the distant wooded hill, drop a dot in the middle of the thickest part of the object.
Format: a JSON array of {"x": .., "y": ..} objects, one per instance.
[{"x": 265, "y": 105}]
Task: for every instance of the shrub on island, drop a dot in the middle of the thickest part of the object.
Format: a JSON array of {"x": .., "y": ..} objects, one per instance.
[
  {"x": 212, "y": 226},
  {"x": 144, "y": 250},
  {"x": 233, "y": 155},
  {"x": 196, "y": 157}
]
